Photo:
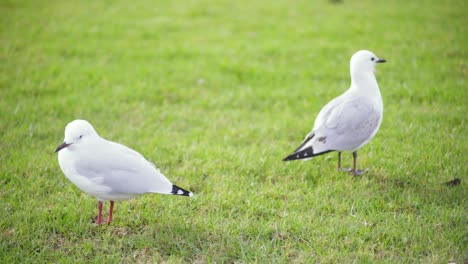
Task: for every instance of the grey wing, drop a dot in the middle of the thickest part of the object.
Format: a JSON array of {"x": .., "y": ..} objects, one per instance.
[
  {"x": 306, "y": 140},
  {"x": 324, "y": 113},
  {"x": 350, "y": 124},
  {"x": 124, "y": 171},
  {"x": 326, "y": 110}
]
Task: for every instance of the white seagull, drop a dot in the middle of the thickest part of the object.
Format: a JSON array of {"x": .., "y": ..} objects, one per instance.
[
  {"x": 352, "y": 119},
  {"x": 108, "y": 170}
]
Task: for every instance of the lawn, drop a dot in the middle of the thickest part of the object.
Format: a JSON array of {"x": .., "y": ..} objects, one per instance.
[{"x": 216, "y": 93}]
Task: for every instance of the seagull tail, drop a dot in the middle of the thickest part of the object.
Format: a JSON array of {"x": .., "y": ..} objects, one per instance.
[
  {"x": 176, "y": 190},
  {"x": 306, "y": 153}
]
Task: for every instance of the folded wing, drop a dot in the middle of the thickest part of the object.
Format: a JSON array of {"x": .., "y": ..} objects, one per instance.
[{"x": 122, "y": 169}]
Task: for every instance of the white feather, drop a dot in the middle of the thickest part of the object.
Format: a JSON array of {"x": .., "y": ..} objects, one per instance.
[
  {"x": 105, "y": 169},
  {"x": 352, "y": 119}
]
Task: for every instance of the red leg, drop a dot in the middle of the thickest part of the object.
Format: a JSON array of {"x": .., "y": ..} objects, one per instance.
[
  {"x": 110, "y": 212},
  {"x": 99, "y": 218}
]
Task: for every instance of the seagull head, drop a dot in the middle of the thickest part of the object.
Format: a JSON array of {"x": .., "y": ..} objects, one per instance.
[
  {"x": 364, "y": 61},
  {"x": 76, "y": 132}
]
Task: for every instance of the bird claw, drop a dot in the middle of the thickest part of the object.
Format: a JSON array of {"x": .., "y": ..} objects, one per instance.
[
  {"x": 358, "y": 172},
  {"x": 354, "y": 172},
  {"x": 95, "y": 220}
]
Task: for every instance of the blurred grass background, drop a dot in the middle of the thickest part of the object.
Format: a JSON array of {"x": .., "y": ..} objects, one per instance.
[{"x": 217, "y": 93}]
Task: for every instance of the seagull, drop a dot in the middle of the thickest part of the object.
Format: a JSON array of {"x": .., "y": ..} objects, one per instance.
[
  {"x": 349, "y": 121},
  {"x": 107, "y": 170}
]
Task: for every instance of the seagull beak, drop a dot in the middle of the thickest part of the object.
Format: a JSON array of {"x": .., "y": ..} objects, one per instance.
[
  {"x": 64, "y": 145},
  {"x": 381, "y": 60}
]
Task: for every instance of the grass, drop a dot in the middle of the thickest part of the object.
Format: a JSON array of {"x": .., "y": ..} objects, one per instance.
[{"x": 217, "y": 93}]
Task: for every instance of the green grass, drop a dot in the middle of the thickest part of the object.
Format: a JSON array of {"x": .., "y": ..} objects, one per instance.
[{"x": 217, "y": 93}]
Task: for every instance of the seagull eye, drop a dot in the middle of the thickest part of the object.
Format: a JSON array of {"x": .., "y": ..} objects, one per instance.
[
  {"x": 372, "y": 59},
  {"x": 81, "y": 136}
]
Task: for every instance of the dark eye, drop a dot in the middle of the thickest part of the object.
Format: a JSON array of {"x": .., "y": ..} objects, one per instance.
[
  {"x": 81, "y": 136},
  {"x": 372, "y": 59}
]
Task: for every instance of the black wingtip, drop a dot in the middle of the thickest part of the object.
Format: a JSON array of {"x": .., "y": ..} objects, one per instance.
[
  {"x": 306, "y": 153},
  {"x": 176, "y": 190},
  {"x": 303, "y": 154},
  {"x": 290, "y": 157}
]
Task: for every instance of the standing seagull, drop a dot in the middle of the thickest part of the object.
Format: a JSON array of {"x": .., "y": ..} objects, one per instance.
[
  {"x": 350, "y": 120},
  {"x": 108, "y": 170}
]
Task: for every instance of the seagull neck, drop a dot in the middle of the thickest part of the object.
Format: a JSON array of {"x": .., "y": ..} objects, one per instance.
[{"x": 364, "y": 81}]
